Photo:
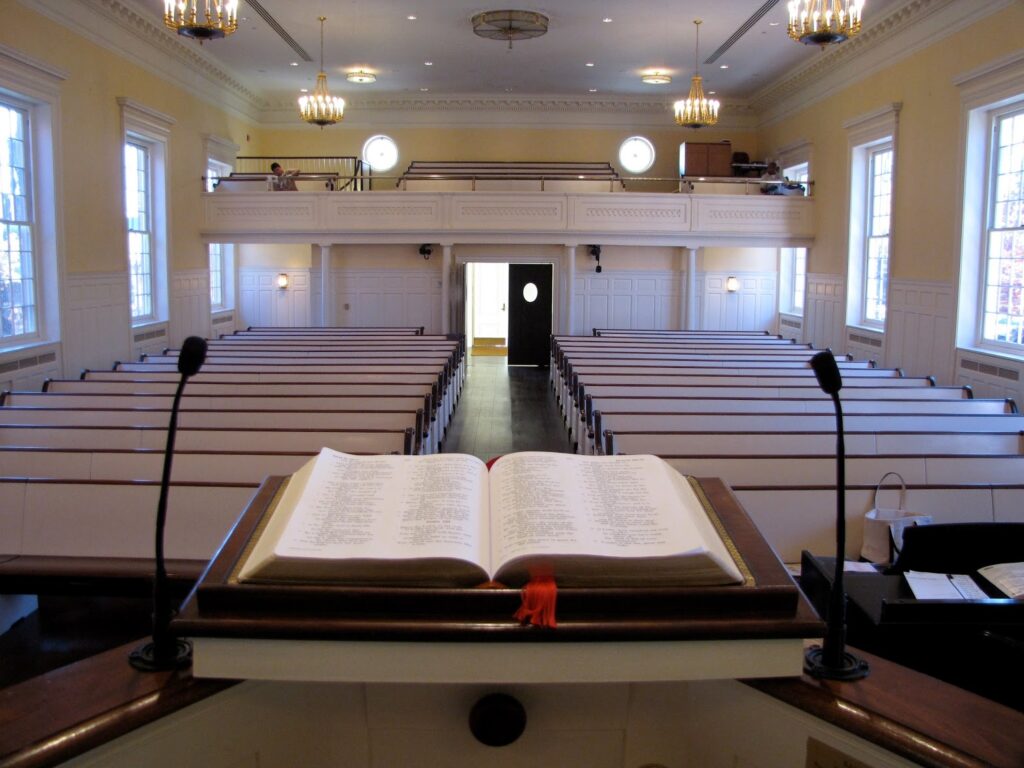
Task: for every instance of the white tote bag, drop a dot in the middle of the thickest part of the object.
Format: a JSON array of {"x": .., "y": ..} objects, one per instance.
[{"x": 883, "y": 527}]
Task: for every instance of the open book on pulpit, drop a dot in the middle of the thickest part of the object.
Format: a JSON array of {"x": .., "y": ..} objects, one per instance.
[{"x": 446, "y": 521}]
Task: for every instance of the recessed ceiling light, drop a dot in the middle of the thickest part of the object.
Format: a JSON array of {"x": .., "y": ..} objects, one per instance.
[
  {"x": 424, "y": 89},
  {"x": 303, "y": 90},
  {"x": 655, "y": 78},
  {"x": 295, "y": 63},
  {"x": 723, "y": 66},
  {"x": 428, "y": 63},
  {"x": 712, "y": 93},
  {"x": 607, "y": 19},
  {"x": 411, "y": 17},
  {"x": 773, "y": 23},
  {"x": 593, "y": 90},
  {"x": 361, "y": 76}
]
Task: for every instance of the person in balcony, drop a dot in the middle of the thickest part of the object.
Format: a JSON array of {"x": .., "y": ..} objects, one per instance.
[
  {"x": 281, "y": 180},
  {"x": 771, "y": 173}
]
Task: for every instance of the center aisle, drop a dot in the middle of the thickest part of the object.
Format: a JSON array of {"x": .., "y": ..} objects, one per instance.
[{"x": 505, "y": 409}]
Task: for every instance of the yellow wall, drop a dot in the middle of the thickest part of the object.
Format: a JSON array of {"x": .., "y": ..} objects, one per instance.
[
  {"x": 277, "y": 256},
  {"x": 509, "y": 143},
  {"x": 91, "y": 139},
  {"x": 738, "y": 260},
  {"x": 925, "y": 242}
]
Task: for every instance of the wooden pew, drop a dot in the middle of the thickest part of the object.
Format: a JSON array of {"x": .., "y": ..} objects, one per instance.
[
  {"x": 147, "y": 464},
  {"x": 234, "y": 439}
]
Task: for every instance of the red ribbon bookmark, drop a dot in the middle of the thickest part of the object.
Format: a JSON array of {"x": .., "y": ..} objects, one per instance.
[{"x": 538, "y": 600}]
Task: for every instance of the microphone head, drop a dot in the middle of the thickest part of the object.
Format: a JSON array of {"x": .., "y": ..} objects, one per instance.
[
  {"x": 825, "y": 368},
  {"x": 192, "y": 355}
]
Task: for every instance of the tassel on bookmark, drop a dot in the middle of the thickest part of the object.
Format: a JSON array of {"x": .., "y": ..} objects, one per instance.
[{"x": 538, "y": 600}]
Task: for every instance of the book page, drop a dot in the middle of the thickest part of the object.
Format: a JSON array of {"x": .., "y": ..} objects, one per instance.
[
  {"x": 604, "y": 506},
  {"x": 390, "y": 507}
]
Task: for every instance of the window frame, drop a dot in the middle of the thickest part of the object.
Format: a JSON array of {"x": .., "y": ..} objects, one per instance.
[
  {"x": 27, "y": 259},
  {"x": 984, "y": 91},
  {"x": 795, "y": 162},
  {"x": 34, "y": 87},
  {"x": 868, "y": 135},
  {"x": 871, "y": 216},
  {"x": 145, "y": 126},
  {"x": 994, "y": 116}
]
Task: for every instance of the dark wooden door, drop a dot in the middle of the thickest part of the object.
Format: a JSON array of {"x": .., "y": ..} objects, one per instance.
[{"x": 529, "y": 314}]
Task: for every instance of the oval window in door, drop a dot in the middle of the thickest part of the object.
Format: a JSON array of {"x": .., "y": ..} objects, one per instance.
[{"x": 530, "y": 292}]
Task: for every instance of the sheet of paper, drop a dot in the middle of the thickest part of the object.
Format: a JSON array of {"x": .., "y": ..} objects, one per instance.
[
  {"x": 932, "y": 586},
  {"x": 1009, "y": 577}
]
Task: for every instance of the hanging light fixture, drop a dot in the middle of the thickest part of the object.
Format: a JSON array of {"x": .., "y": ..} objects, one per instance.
[
  {"x": 217, "y": 19},
  {"x": 655, "y": 78},
  {"x": 361, "y": 76},
  {"x": 319, "y": 107},
  {"x": 822, "y": 22},
  {"x": 696, "y": 110},
  {"x": 510, "y": 25}
]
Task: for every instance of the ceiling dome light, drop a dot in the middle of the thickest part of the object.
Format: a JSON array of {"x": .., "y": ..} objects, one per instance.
[
  {"x": 510, "y": 25},
  {"x": 656, "y": 78},
  {"x": 361, "y": 76}
]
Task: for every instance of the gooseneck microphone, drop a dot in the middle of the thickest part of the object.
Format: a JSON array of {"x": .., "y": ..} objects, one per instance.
[
  {"x": 164, "y": 651},
  {"x": 830, "y": 660}
]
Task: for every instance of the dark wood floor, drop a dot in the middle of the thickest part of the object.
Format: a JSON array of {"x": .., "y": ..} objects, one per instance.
[{"x": 502, "y": 409}]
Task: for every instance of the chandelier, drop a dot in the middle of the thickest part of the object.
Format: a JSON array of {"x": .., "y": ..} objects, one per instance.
[
  {"x": 696, "y": 110},
  {"x": 510, "y": 25},
  {"x": 217, "y": 19},
  {"x": 821, "y": 22},
  {"x": 319, "y": 107}
]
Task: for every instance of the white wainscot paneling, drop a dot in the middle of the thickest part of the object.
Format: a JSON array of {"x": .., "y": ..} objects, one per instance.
[
  {"x": 392, "y": 297},
  {"x": 190, "y": 305},
  {"x": 990, "y": 376},
  {"x": 825, "y": 312},
  {"x": 150, "y": 339},
  {"x": 626, "y": 299},
  {"x": 97, "y": 328},
  {"x": 25, "y": 370},
  {"x": 866, "y": 344},
  {"x": 261, "y": 302},
  {"x": 222, "y": 322},
  {"x": 260, "y": 212},
  {"x": 751, "y": 308},
  {"x": 920, "y": 329},
  {"x": 791, "y": 327},
  {"x": 383, "y": 211},
  {"x": 509, "y": 213},
  {"x": 630, "y": 214},
  {"x": 753, "y": 215}
]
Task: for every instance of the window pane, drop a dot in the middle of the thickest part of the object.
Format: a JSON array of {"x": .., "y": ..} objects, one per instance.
[
  {"x": 876, "y": 266},
  {"x": 140, "y": 235},
  {"x": 1003, "y": 311},
  {"x": 216, "y": 251},
  {"x": 18, "y": 315}
]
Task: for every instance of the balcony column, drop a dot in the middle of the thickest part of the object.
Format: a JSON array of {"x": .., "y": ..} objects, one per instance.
[
  {"x": 446, "y": 279},
  {"x": 326, "y": 288},
  {"x": 570, "y": 292},
  {"x": 691, "y": 289}
]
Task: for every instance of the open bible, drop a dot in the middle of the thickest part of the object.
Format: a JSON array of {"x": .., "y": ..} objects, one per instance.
[{"x": 443, "y": 520}]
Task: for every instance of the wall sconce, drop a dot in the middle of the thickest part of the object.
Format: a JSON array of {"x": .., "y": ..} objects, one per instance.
[
  {"x": 282, "y": 280},
  {"x": 595, "y": 251},
  {"x": 732, "y": 284},
  {"x": 425, "y": 251}
]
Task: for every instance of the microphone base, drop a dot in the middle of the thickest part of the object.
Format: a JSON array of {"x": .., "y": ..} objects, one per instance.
[
  {"x": 851, "y": 667},
  {"x": 145, "y": 658}
]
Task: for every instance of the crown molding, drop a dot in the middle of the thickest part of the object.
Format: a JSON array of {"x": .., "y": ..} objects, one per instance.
[
  {"x": 909, "y": 28},
  {"x": 111, "y": 24},
  {"x": 541, "y": 111}
]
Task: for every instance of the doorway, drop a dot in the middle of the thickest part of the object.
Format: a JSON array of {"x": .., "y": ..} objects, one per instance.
[{"x": 509, "y": 311}]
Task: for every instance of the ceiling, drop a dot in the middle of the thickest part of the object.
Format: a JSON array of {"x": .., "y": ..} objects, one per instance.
[{"x": 747, "y": 36}]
